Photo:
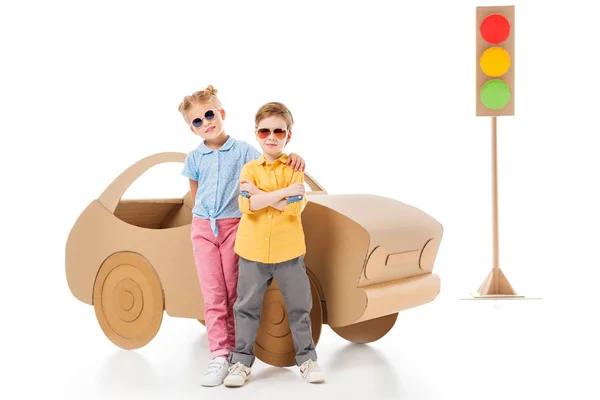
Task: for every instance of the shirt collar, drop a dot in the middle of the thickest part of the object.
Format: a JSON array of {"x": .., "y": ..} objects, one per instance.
[
  {"x": 283, "y": 159},
  {"x": 226, "y": 146}
]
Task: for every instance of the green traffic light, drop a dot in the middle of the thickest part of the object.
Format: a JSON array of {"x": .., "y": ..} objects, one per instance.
[{"x": 495, "y": 94}]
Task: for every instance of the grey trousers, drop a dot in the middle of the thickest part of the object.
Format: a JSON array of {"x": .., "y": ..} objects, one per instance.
[{"x": 254, "y": 279}]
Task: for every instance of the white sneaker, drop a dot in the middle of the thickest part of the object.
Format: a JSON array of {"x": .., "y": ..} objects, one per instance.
[
  {"x": 215, "y": 372},
  {"x": 238, "y": 375},
  {"x": 311, "y": 372}
]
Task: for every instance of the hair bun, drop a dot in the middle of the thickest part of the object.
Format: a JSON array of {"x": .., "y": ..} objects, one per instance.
[{"x": 210, "y": 90}]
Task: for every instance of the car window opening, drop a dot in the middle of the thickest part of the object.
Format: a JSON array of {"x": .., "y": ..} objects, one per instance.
[{"x": 154, "y": 213}]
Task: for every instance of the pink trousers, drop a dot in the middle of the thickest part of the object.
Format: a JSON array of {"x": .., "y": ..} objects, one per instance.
[{"x": 217, "y": 266}]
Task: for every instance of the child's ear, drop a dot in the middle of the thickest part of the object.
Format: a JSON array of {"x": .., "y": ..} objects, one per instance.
[
  {"x": 222, "y": 114},
  {"x": 289, "y": 137}
]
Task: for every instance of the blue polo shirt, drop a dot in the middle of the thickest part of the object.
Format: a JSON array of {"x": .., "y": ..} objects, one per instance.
[{"x": 218, "y": 175}]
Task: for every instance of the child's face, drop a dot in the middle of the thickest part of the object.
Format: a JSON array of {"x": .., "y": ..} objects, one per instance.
[
  {"x": 272, "y": 135},
  {"x": 205, "y": 120}
]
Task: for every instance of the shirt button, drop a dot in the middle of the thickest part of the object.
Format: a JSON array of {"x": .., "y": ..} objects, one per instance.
[
  {"x": 266, "y": 239},
  {"x": 270, "y": 216}
]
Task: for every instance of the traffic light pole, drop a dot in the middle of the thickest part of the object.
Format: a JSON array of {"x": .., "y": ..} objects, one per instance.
[
  {"x": 495, "y": 285},
  {"x": 496, "y": 247}
]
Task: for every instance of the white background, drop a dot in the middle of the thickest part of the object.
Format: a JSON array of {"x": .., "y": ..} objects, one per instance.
[{"x": 383, "y": 94}]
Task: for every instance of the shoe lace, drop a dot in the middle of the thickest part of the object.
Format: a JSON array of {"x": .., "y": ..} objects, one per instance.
[
  {"x": 214, "y": 366},
  {"x": 312, "y": 366},
  {"x": 237, "y": 368}
]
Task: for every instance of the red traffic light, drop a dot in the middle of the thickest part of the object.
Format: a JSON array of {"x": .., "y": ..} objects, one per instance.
[{"x": 495, "y": 28}]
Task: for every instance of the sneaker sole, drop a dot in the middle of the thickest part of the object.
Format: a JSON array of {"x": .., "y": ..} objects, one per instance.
[
  {"x": 210, "y": 384},
  {"x": 234, "y": 384},
  {"x": 314, "y": 380}
]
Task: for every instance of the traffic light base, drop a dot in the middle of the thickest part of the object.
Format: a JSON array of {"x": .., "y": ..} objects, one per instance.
[{"x": 497, "y": 287}]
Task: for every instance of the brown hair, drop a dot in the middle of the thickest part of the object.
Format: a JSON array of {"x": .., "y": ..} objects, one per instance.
[
  {"x": 274, "y": 109},
  {"x": 208, "y": 95}
]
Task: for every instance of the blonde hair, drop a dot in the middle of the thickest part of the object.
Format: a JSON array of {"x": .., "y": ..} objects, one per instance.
[
  {"x": 274, "y": 109},
  {"x": 208, "y": 95}
]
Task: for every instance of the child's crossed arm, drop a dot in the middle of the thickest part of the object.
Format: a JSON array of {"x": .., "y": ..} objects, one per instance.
[
  {"x": 258, "y": 199},
  {"x": 252, "y": 199}
]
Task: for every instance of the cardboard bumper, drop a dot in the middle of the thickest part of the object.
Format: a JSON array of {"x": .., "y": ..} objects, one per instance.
[{"x": 363, "y": 250}]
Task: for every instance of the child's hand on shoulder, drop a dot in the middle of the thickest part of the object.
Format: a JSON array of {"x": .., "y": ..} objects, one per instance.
[{"x": 296, "y": 162}]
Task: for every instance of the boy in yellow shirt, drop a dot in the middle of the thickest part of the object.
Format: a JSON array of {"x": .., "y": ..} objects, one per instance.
[{"x": 270, "y": 244}]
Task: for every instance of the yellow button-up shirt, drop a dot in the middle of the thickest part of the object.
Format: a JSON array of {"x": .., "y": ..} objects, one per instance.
[{"x": 269, "y": 235}]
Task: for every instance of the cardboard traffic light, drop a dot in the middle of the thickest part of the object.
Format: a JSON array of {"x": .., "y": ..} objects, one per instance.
[
  {"x": 495, "y": 69},
  {"x": 495, "y": 77}
]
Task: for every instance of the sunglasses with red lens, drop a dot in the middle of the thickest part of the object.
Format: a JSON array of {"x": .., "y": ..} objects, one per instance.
[
  {"x": 264, "y": 133},
  {"x": 209, "y": 115}
]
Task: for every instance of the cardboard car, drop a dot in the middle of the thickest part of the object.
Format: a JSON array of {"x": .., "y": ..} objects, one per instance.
[{"x": 368, "y": 257}]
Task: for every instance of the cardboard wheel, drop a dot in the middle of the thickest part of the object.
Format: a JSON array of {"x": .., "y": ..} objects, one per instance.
[
  {"x": 274, "y": 343},
  {"x": 367, "y": 331},
  {"x": 128, "y": 300}
]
